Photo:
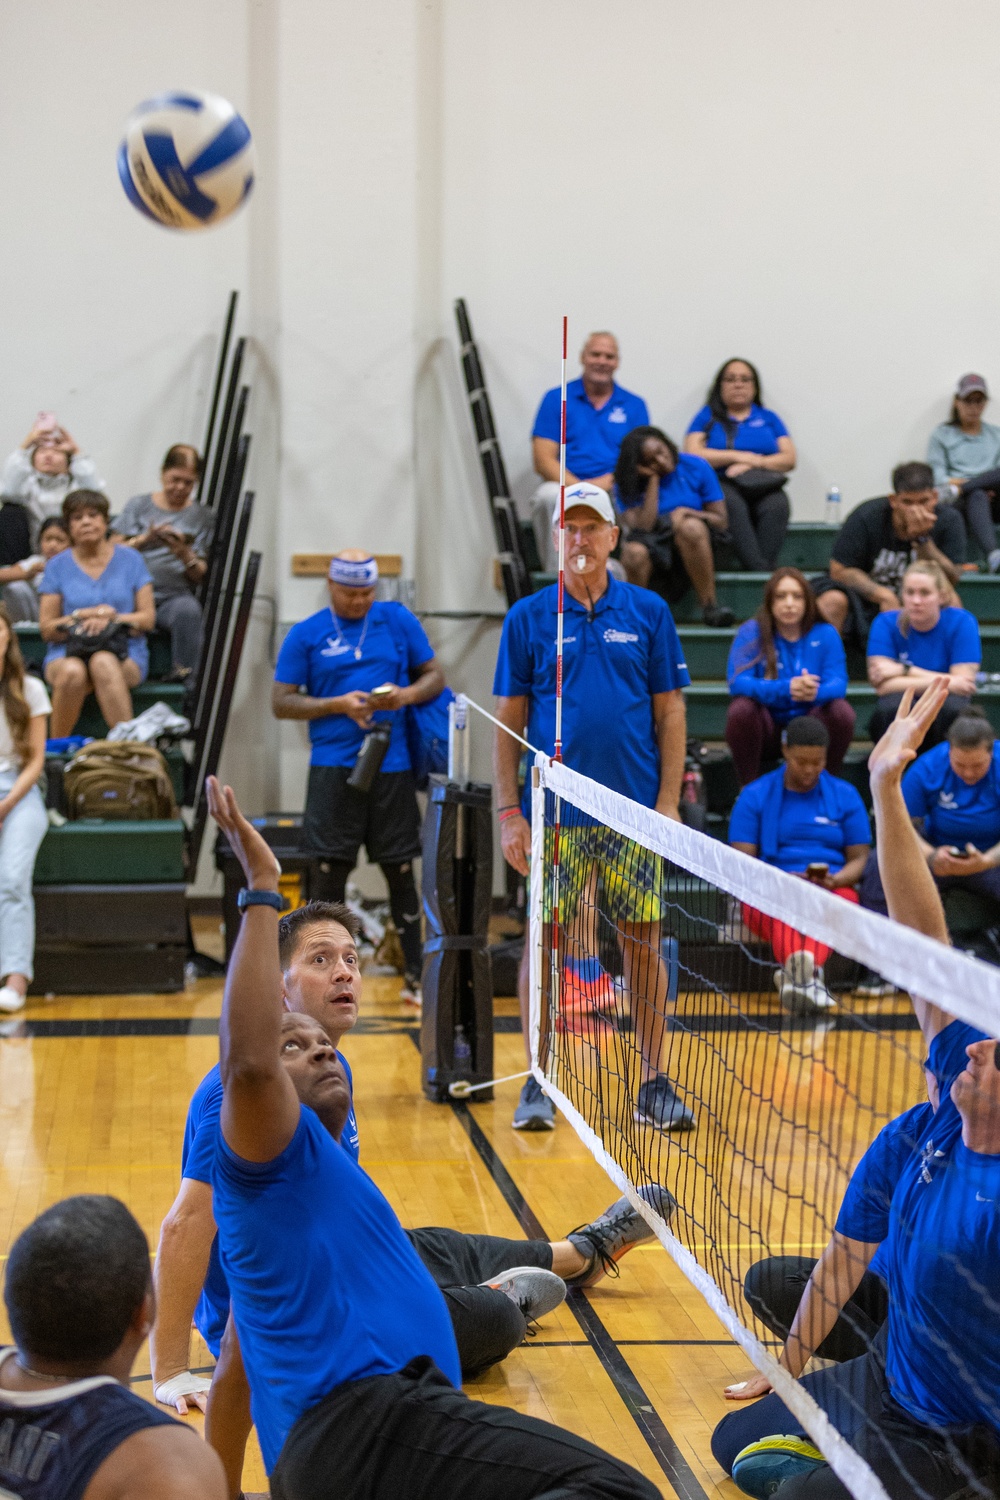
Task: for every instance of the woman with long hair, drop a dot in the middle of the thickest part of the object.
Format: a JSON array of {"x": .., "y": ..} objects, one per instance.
[
  {"x": 24, "y": 710},
  {"x": 673, "y": 516},
  {"x": 964, "y": 453},
  {"x": 749, "y": 447},
  {"x": 95, "y": 609},
  {"x": 783, "y": 663},
  {"x": 913, "y": 646}
]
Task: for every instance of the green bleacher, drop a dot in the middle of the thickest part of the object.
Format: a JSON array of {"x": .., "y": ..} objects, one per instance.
[{"x": 807, "y": 546}]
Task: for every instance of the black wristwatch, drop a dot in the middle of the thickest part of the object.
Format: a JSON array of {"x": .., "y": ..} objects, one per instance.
[{"x": 247, "y": 898}]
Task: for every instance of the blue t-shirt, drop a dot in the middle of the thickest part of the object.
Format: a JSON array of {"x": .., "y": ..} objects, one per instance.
[
  {"x": 320, "y": 654},
  {"x": 954, "y": 639},
  {"x": 118, "y": 585},
  {"x": 614, "y": 660},
  {"x": 326, "y": 1287},
  {"x": 794, "y": 829},
  {"x": 592, "y": 437},
  {"x": 864, "y": 1212},
  {"x": 757, "y": 433},
  {"x": 201, "y": 1133},
  {"x": 953, "y": 812},
  {"x": 820, "y": 651},
  {"x": 692, "y": 483},
  {"x": 942, "y": 1255}
]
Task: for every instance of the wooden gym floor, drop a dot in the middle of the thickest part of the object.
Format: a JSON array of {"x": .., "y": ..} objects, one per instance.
[{"x": 637, "y": 1365}]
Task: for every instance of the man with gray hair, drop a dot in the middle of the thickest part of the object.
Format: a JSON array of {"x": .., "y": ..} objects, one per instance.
[
  {"x": 349, "y": 670},
  {"x": 598, "y": 415}
]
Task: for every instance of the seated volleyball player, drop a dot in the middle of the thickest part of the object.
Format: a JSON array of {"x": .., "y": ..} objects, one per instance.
[
  {"x": 802, "y": 819},
  {"x": 923, "y": 1410},
  {"x": 624, "y": 725},
  {"x": 321, "y": 978},
  {"x": 80, "y": 1305},
  {"x": 347, "y": 1343}
]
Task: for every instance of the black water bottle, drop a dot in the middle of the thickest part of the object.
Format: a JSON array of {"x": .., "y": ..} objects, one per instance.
[{"x": 370, "y": 758}]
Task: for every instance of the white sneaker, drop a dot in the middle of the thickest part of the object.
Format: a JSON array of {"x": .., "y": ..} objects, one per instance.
[
  {"x": 802, "y": 989},
  {"x": 11, "y": 999}
]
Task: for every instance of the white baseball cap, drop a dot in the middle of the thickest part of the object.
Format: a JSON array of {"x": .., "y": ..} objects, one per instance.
[{"x": 591, "y": 496}]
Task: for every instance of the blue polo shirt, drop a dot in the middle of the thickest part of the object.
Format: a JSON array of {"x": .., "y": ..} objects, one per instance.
[
  {"x": 592, "y": 437},
  {"x": 614, "y": 660},
  {"x": 820, "y": 651},
  {"x": 864, "y": 1212},
  {"x": 321, "y": 654},
  {"x": 693, "y": 483},
  {"x": 942, "y": 1253},
  {"x": 953, "y": 812},
  {"x": 757, "y": 433},
  {"x": 794, "y": 829},
  {"x": 954, "y": 639},
  {"x": 201, "y": 1132}
]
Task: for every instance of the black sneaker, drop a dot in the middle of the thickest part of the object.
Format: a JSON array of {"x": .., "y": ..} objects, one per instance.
[
  {"x": 618, "y": 1230},
  {"x": 718, "y": 615},
  {"x": 657, "y": 1104}
]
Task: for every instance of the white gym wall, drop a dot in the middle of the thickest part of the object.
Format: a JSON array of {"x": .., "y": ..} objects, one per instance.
[{"x": 806, "y": 185}]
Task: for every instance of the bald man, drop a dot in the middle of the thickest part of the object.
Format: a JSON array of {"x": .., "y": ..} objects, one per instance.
[
  {"x": 598, "y": 415},
  {"x": 347, "y": 670}
]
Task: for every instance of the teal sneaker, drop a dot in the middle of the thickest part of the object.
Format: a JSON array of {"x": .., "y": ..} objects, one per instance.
[{"x": 762, "y": 1466}]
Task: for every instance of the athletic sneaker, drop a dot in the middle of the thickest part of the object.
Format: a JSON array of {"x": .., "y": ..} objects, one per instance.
[
  {"x": 535, "y": 1110},
  {"x": 872, "y": 986},
  {"x": 657, "y": 1104},
  {"x": 534, "y": 1291},
  {"x": 763, "y": 1466},
  {"x": 11, "y": 999},
  {"x": 410, "y": 993},
  {"x": 618, "y": 1230},
  {"x": 800, "y": 984}
]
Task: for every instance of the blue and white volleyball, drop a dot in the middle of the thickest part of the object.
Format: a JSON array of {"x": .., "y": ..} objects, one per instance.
[{"x": 186, "y": 160}]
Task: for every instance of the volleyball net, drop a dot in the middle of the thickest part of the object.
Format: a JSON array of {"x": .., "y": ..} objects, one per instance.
[{"x": 779, "y": 1013}]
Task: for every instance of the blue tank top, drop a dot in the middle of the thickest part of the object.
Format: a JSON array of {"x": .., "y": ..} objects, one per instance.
[{"x": 53, "y": 1442}]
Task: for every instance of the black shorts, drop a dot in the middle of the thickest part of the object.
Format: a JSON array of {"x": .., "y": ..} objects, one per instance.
[
  {"x": 669, "y": 576},
  {"x": 860, "y": 611},
  {"x": 338, "y": 820}
]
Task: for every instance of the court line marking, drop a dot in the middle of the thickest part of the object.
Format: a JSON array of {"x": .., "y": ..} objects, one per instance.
[{"x": 634, "y": 1398}]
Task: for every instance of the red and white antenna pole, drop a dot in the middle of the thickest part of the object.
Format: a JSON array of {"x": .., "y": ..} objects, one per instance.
[{"x": 561, "y": 581}]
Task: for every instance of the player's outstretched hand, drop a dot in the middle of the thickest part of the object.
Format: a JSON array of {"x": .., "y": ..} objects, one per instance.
[
  {"x": 184, "y": 1392},
  {"x": 748, "y": 1390},
  {"x": 901, "y": 741},
  {"x": 253, "y": 852}
]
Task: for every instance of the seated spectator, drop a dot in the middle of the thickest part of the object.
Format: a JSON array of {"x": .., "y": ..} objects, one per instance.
[
  {"x": 96, "y": 607},
  {"x": 952, "y": 793},
  {"x": 174, "y": 535},
  {"x": 964, "y": 453},
  {"x": 19, "y": 582},
  {"x": 913, "y": 646},
  {"x": 802, "y": 819},
  {"x": 783, "y": 663},
  {"x": 24, "y": 708},
  {"x": 598, "y": 415},
  {"x": 750, "y": 448},
  {"x": 672, "y": 513},
  {"x": 40, "y": 474},
  {"x": 877, "y": 543}
]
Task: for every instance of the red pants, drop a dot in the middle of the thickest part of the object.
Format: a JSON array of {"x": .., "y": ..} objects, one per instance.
[{"x": 784, "y": 939}]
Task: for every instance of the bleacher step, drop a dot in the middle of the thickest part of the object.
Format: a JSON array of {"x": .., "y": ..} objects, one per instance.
[
  {"x": 95, "y": 852},
  {"x": 707, "y": 703}
]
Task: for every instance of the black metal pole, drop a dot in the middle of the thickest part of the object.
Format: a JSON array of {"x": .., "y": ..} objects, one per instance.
[
  {"x": 221, "y": 563},
  {"x": 227, "y": 412},
  {"x": 220, "y": 371},
  {"x": 216, "y": 648}
]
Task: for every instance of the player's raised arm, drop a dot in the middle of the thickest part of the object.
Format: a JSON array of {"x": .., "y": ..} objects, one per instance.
[
  {"x": 910, "y": 890},
  {"x": 260, "y": 1109}
]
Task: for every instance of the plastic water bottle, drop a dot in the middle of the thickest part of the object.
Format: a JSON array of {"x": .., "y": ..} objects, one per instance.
[
  {"x": 833, "y": 506},
  {"x": 462, "y": 1055}
]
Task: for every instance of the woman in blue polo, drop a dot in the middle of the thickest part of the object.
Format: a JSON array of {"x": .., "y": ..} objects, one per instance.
[
  {"x": 749, "y": 447},
  {"x": 347, "y": 669},
  {"x": 910, "y": 647}
]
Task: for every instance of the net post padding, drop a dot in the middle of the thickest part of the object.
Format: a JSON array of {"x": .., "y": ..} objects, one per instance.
[
  {"x": 846, "y": 1464},
  {"x": 964, "y": 987},
  {"x": 535, "y": 955}
]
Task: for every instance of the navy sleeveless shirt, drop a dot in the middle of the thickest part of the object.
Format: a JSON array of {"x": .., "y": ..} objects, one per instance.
[{"x": 53, "y": 1442}]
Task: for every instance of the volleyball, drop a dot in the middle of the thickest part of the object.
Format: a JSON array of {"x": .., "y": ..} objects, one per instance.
[{"x": 186, "y": 159}]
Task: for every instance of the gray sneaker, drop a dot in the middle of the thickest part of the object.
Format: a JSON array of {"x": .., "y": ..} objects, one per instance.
[
  {"x": 535, "y": 1110},
  {"x": 618, "y": 1230},
  {"x": 534, "y": 1291},
  {"x": 657, "y": 1104}
]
